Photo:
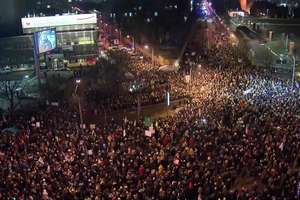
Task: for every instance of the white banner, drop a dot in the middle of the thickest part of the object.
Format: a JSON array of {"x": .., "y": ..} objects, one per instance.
[
  {"x": 148, "y": 133},
  {"x": 187, "y": 78},
  {"x": 92, "y": 126},
  {"x": 61, "y": 20}
]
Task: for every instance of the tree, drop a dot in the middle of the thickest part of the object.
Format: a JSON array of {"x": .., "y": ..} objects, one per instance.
[
  {"x": 9, "y": 91},
  {"x": 268, "y": 59}
]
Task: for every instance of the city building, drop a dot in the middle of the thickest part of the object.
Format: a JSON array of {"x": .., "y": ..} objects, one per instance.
[{"x": 76, "y": 41}]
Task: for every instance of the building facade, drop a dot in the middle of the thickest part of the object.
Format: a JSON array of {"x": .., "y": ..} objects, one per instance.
[{"x": 76, "y": 41}]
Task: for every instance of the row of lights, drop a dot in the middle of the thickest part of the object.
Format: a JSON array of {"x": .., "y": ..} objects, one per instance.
[
  {"x": 146, "y": 46},
  {"x": 130, "y": 14}
]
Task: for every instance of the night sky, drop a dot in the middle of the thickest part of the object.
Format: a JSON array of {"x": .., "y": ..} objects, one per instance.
[{"x": 10, "y": 13}]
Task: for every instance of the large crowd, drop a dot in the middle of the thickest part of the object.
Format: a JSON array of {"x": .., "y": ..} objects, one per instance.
[
  {"x": 146, "y": 82},
  {"x": 237, "y": 138}
]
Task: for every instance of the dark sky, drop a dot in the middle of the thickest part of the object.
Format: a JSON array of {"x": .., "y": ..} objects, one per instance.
[{"x": 11, "y": 12}]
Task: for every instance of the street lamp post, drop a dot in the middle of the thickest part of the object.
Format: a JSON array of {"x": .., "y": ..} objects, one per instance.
[
  {"x": 120, "y": 34},
  {"x": 135, "y": 89},
  {"x": 152, "y": 54},
  {"x": 78, "y": 81},
  {"x": 133, "y": 42},
  {"x": 287, "y": 42},
  {"x": 139, "y": 104},
  {"x": 207, "y": 38},
  {"x": 294, "y": 69}
]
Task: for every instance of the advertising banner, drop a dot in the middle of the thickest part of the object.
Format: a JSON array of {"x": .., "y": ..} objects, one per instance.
[
  {"x": 45, "y": 41},
  {"x": 61, "y": 20}
]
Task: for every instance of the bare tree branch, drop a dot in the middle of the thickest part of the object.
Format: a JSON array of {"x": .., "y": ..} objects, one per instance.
[{"x": 8, "y": 90}]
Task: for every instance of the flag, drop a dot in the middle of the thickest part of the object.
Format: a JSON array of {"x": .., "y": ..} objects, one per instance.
[
  {"x": 281, "y": 146},
  {"x": 148, "y": 133},
  {"x": 176, "y": 161},
  {"x": 147, "y": 121}
]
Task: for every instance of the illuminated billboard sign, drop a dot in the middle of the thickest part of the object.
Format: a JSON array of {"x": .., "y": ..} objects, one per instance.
[
  {"x": 45, "y": 41},
  {"x": 62, "y": 20}
]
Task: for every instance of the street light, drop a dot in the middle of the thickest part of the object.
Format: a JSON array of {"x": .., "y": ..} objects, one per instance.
[
  {"x": 176, "y": 64},
  {"x": 135, "y": 88},
  {"x": 294, "y": 69},
  {"x": 133, "y": 43},
  {"x": 152, "y": 53},
  {"x": 78, "y": 81}
]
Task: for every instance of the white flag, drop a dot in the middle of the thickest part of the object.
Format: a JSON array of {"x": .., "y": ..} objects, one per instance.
[{"x": 281, "y": 146}]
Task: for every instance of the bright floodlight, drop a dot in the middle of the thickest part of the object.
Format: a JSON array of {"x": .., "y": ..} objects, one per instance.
[
  {"x": 176, "y": 64},
  {"x": 128, "y": 36},
  {"x": 146, "y": 47},
  {"x": 26, "y": 76},
  {"x": 78, "y": 81}
]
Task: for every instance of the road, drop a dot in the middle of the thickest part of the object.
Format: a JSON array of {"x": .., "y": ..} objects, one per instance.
[
  {"x": 275, "y": 21},
  {"x": 272, "y": 53},
  {"x": 208, "y": 25},
  {"x": 14, "y": 76},
  {"x": 112, "y": 36}
]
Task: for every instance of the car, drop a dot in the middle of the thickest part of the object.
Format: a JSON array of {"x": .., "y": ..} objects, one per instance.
[
  {"x": 6, "y": 69},
  {"x": 65, "y": 69}
]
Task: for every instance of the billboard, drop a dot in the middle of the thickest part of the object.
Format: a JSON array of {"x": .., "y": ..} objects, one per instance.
[
  {"x": 59, "y": 20},
  {"x": 45, "y": 40}
]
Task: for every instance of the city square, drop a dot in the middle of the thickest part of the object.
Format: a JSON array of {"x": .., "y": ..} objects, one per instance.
[{"x": 113, "y": 100}]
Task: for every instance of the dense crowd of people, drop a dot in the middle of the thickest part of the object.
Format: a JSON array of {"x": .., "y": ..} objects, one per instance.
[
  {"x": 237, "y": 138},
  {"x": 147, "y": 83}
]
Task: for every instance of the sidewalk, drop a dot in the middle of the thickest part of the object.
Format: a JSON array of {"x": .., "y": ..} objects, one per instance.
[
  {"x": 21, "y": 69},
  {"x": 154, "y": 111}
]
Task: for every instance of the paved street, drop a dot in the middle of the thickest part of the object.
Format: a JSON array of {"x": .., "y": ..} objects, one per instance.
[{"x": 16, "y": 75}]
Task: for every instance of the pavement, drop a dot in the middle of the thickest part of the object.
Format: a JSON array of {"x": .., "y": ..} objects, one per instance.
[
  {"x": 14, "y": 76},
  {"x": 275, "y": 20},
  {"x": 272, "y": 53},
  {"x": 153, "y": 111}
]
